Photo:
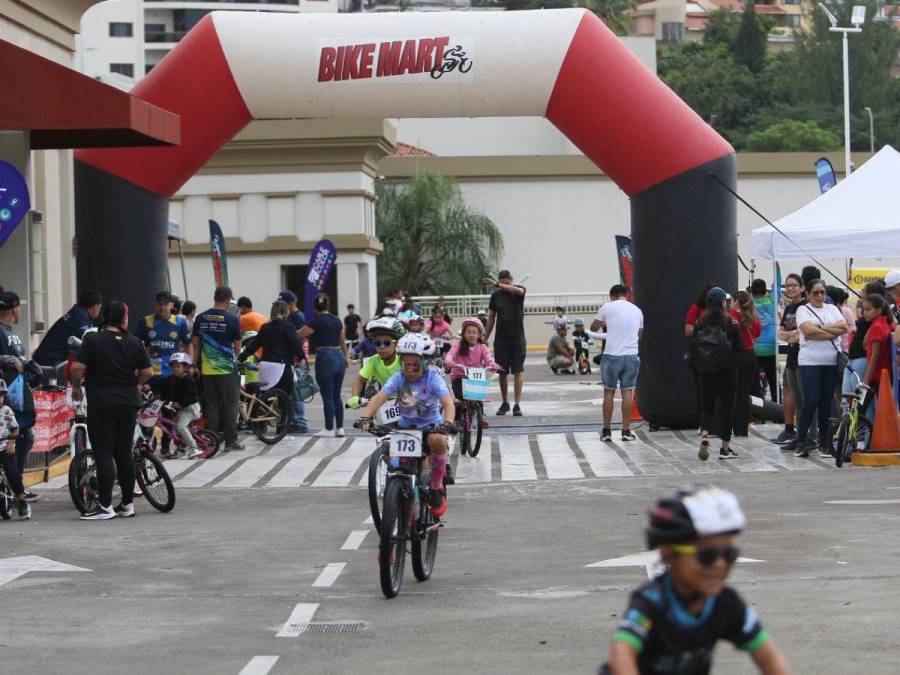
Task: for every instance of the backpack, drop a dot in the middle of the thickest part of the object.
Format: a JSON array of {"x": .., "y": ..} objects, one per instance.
[{"x": 712, "y": 348}]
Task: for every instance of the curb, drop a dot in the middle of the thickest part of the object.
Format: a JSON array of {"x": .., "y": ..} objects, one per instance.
[
  {"x": 58, "y": 468},
  {"x": 876, "y": 459}
]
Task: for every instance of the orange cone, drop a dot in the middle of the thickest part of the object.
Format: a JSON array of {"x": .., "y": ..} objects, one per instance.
[
  {"x": 885, "y": 433},
  {"x": 635, "y": 413}
]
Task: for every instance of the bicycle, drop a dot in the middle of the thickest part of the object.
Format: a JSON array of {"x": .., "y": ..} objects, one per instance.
[
  {"x": 152, "y": 477},
  {"x": 7, "y": 497},
  {"x": 471, "y": 416},
  {"x": 267, "y": 412},
  {"x": 853, "y": 428},
  {"x": 156, "y": 414},
  {"x": 388, "y": 415},
  {"x": 582, "y": 355},
  {"x": 406, "y": 513}
]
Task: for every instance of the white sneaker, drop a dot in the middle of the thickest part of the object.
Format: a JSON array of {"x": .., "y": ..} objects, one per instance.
[
  {"x": 339, "y": 432},
  {"x": 194, "y": 454},
  {"x": 324, "y": 433}
]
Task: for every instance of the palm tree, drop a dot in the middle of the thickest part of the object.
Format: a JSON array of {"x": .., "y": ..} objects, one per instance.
[
  {"x": 616, "y": 14},
  {"x": 433, "y": 242}
]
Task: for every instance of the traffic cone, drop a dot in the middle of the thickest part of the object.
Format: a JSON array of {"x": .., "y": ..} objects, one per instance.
[
  {"x": 885, "y": 431},
  {"x": 635, "y": 413}
]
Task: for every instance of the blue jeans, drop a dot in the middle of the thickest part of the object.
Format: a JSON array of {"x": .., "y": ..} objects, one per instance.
[
  {"x": 300, "y": 421},
  {"x": 818, "y": 384},
  {"x": 621, "y": 371},
  {"x": 330, "y": 366},
  {"x": 849, "y": 383}
]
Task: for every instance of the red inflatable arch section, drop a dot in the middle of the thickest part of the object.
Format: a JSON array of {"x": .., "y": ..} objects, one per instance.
[{"x": 234, "y": 67}]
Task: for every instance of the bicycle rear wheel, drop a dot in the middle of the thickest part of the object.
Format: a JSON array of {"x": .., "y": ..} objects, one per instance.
[
  {"x": 80, "y": 440},
  {"x": 377, "y": 481},
  {"x": 475, "y": 419},
  {"x": 83, "y": 481},
  {"x": 6, "y": 499},
  {"x": 465, "y": 438},
  {"x": 424, "y": 551},
  {"x": 208, "y": 441},
  {"x": 270, "y": 415},
  {"x": 154, "y": 480},
  {"x": 840, "y": 440},
  {"x": 392, "y": 547}
]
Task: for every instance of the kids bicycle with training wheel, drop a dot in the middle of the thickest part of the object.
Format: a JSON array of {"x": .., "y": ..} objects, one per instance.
[{"x": 853, "y": 430}]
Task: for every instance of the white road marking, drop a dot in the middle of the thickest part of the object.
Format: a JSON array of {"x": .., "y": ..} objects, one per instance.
[
  {"x": 475, "y": 469},
  {"x": 329, "y": 575},
  {"x": 369, "y": 521},
  {"x": 602, "y": 458},
  {"x": 649, "y": 560},
  {"x": 209, "y": 470},
  {"x": 646, "y": 458},
  {"x": 340, "y": 470},
  {"x": 297, "y": 469},
  {"x": 259, "y": 665},
  {"x": 249, "y": 472},
  {"x": 559, "y": 460},
  {"x": 301, "y": 616},
  {"x": 516, "y": 462},
  {"x": 354, "y": 540},
  {"x": 865, "y": 502},
  {"x": 13, "y": 568}
]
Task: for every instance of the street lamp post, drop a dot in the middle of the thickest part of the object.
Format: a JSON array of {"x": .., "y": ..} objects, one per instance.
[
  {"x": 871, "y": 131},
  {"x": 857, "y": 19}
]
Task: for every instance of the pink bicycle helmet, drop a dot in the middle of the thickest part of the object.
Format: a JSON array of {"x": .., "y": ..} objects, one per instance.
[{"x": 473, "y": 321}]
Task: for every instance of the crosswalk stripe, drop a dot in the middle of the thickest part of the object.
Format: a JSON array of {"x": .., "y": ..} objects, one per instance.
[
  {"x": 687, "y": 453},
  {"x": 476, "y": 469},
  {"x": 602, "y": 458},
  {"x": 249, "y": 472},
  {"x": 339, "y": 471},
  {"x": 774, "y": 454},
  {"x": 646, "y": 458},
  {"x": 297, "y": 469},
  {"x": 516, "y": 462},
  {"x": 209, "y": 470},
  {"x": 559, "y": 460}
]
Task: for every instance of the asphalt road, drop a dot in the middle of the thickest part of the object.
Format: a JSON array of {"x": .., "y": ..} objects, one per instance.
[{"x": 209, "y": 587}]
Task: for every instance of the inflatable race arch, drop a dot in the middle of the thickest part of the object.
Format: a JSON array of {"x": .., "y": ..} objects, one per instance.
[{"x": 565, "y": 65}]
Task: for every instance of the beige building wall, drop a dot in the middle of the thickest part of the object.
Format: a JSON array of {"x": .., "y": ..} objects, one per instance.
[{"x": 37, "y": 261}]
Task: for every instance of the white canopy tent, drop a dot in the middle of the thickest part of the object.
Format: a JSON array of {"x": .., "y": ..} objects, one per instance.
[{"x": 858, "y": 218}]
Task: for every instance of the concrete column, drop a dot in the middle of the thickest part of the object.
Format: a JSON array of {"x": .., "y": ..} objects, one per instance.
[
  {"x": 347, "y": 286},
  {"x": 368, "y": 287},
  {"x": 15, "y": 148}
]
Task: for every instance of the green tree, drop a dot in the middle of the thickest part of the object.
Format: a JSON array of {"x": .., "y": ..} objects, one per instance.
[
  {"x": 721, "y": 28},
  {"x": 750, "y": 40},
  {"x": 793, "y": 136},
  {"x": 616, "y": 14},
  {"x": 433, "y": 242}
]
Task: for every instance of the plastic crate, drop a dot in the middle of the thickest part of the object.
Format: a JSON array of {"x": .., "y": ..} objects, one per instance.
[{"x": 476, "y": 390}]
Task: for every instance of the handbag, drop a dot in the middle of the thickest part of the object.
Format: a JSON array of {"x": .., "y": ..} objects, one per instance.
[
  {"x": 842, "y": 358},
  {"x": 305, "y": 387},
  {"x": 15, "y": 396}
]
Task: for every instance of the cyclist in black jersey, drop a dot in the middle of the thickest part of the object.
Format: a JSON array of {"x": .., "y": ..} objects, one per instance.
[{"x": 673, "y": 622}]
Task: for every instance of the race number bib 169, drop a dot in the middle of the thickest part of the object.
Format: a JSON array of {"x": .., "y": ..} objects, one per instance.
[
  {"x": 389, "y": 413},
  {"x": 406, "y": 444}
]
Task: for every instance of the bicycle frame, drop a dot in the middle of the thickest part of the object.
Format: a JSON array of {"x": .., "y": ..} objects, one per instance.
[
  {"x": 247, "y": 401},
  {"x": 79, "y": 422}
]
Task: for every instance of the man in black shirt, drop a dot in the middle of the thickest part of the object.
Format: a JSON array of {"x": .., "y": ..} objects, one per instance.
[
  {"x": 351, "y": 325},
  {"x": 54, "y": 348},
  {"x": 507, "y": 312}
]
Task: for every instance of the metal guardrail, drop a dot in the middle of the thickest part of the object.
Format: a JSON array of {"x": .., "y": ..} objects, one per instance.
[{"x": 535, "y": 303}]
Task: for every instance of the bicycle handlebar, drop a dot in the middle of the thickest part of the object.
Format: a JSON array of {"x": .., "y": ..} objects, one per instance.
[{"x": 364, "y": 424}]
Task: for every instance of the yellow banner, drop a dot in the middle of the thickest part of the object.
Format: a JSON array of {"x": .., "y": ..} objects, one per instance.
[{"x": 860, "y": 276}]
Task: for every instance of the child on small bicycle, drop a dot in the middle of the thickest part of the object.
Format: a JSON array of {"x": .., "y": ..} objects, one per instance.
[
  {"x": 9, "y": 431},
  {"x": 425, "y": 402},
  {"x": 673, "y": 622},
  {"x": 468, "y": 352},
  {"x": 180, "y": 390},
  {"x": 383, "y": 333}
]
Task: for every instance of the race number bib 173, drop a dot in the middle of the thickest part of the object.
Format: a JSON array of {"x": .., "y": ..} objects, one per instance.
[{"x": 406, "y": 444}]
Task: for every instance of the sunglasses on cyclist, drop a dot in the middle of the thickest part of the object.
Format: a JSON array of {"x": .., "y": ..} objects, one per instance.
[
  {"x": 707, "y": 555},
  {"x": 382, "y": 343}
]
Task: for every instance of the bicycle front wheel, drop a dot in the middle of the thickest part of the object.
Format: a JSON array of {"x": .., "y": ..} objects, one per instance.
[
  {"x": 424, "y": 551},
  {"x": 377, "y": 481},
  {"x": 392, "y": 547},
  {"x": 841, "y": 437},
  {"x": 83, "y": 481},
  {"x": 208, "y": 441},
  {"x": 270, "y": 415},
  {"x": 154, "y": 481},
  {"x": 475, "y": 430},
  {"x": 465, "y": 438},
  {"x": 6, "y": 499}
]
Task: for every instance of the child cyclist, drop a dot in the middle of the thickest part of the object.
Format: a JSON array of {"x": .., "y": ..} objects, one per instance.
[
  {"x": 383, "y": 333},
  {"x": 9, "y": 431},
  {"x": 469, "y": 351},
  {"x": 424, "y": 402},
  {"x": 674, "y": 621},
  {"x": 181, "y": 391}
]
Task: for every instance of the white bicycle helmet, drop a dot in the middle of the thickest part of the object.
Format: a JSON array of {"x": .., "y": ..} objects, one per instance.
[
  {"x": 418, "y": 344},
  {"x": 386, "y": 325},
  {"x": 694, "y": 512},
  {"x": 181, "y": 357}
]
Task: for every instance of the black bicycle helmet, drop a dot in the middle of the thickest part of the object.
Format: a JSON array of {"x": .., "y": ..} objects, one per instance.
[
  {"x": 694, "y": 512},
  {"x": 386, "y": 325}
]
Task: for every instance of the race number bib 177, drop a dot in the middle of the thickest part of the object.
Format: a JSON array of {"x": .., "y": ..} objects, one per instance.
[
  {"x": 389, "y": 413},
  {"x": 476, "y": 373},
  {"x": 406, "y": 444}
]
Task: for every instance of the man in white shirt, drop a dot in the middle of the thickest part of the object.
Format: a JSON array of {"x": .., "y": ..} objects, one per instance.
[{"x": 623, "y": 323}]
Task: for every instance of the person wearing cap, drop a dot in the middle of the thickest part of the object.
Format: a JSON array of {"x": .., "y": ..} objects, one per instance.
[
  {"x": 300, "y": 421},
  {"x": 715, "y": 341},
  {"x": 296, "y": 316},
  {"x": 12, "y": 365},
  {"x": 180, "y": 390},
  {"x": 163, "y": 333},
  {"x": 250, "y": 320},
  {"x": 215, "y": 344},
  {"x": 54, "y": 348}
]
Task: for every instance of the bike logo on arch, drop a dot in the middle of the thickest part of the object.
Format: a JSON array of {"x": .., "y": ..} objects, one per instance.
[{"x": 435, "y": 58}]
